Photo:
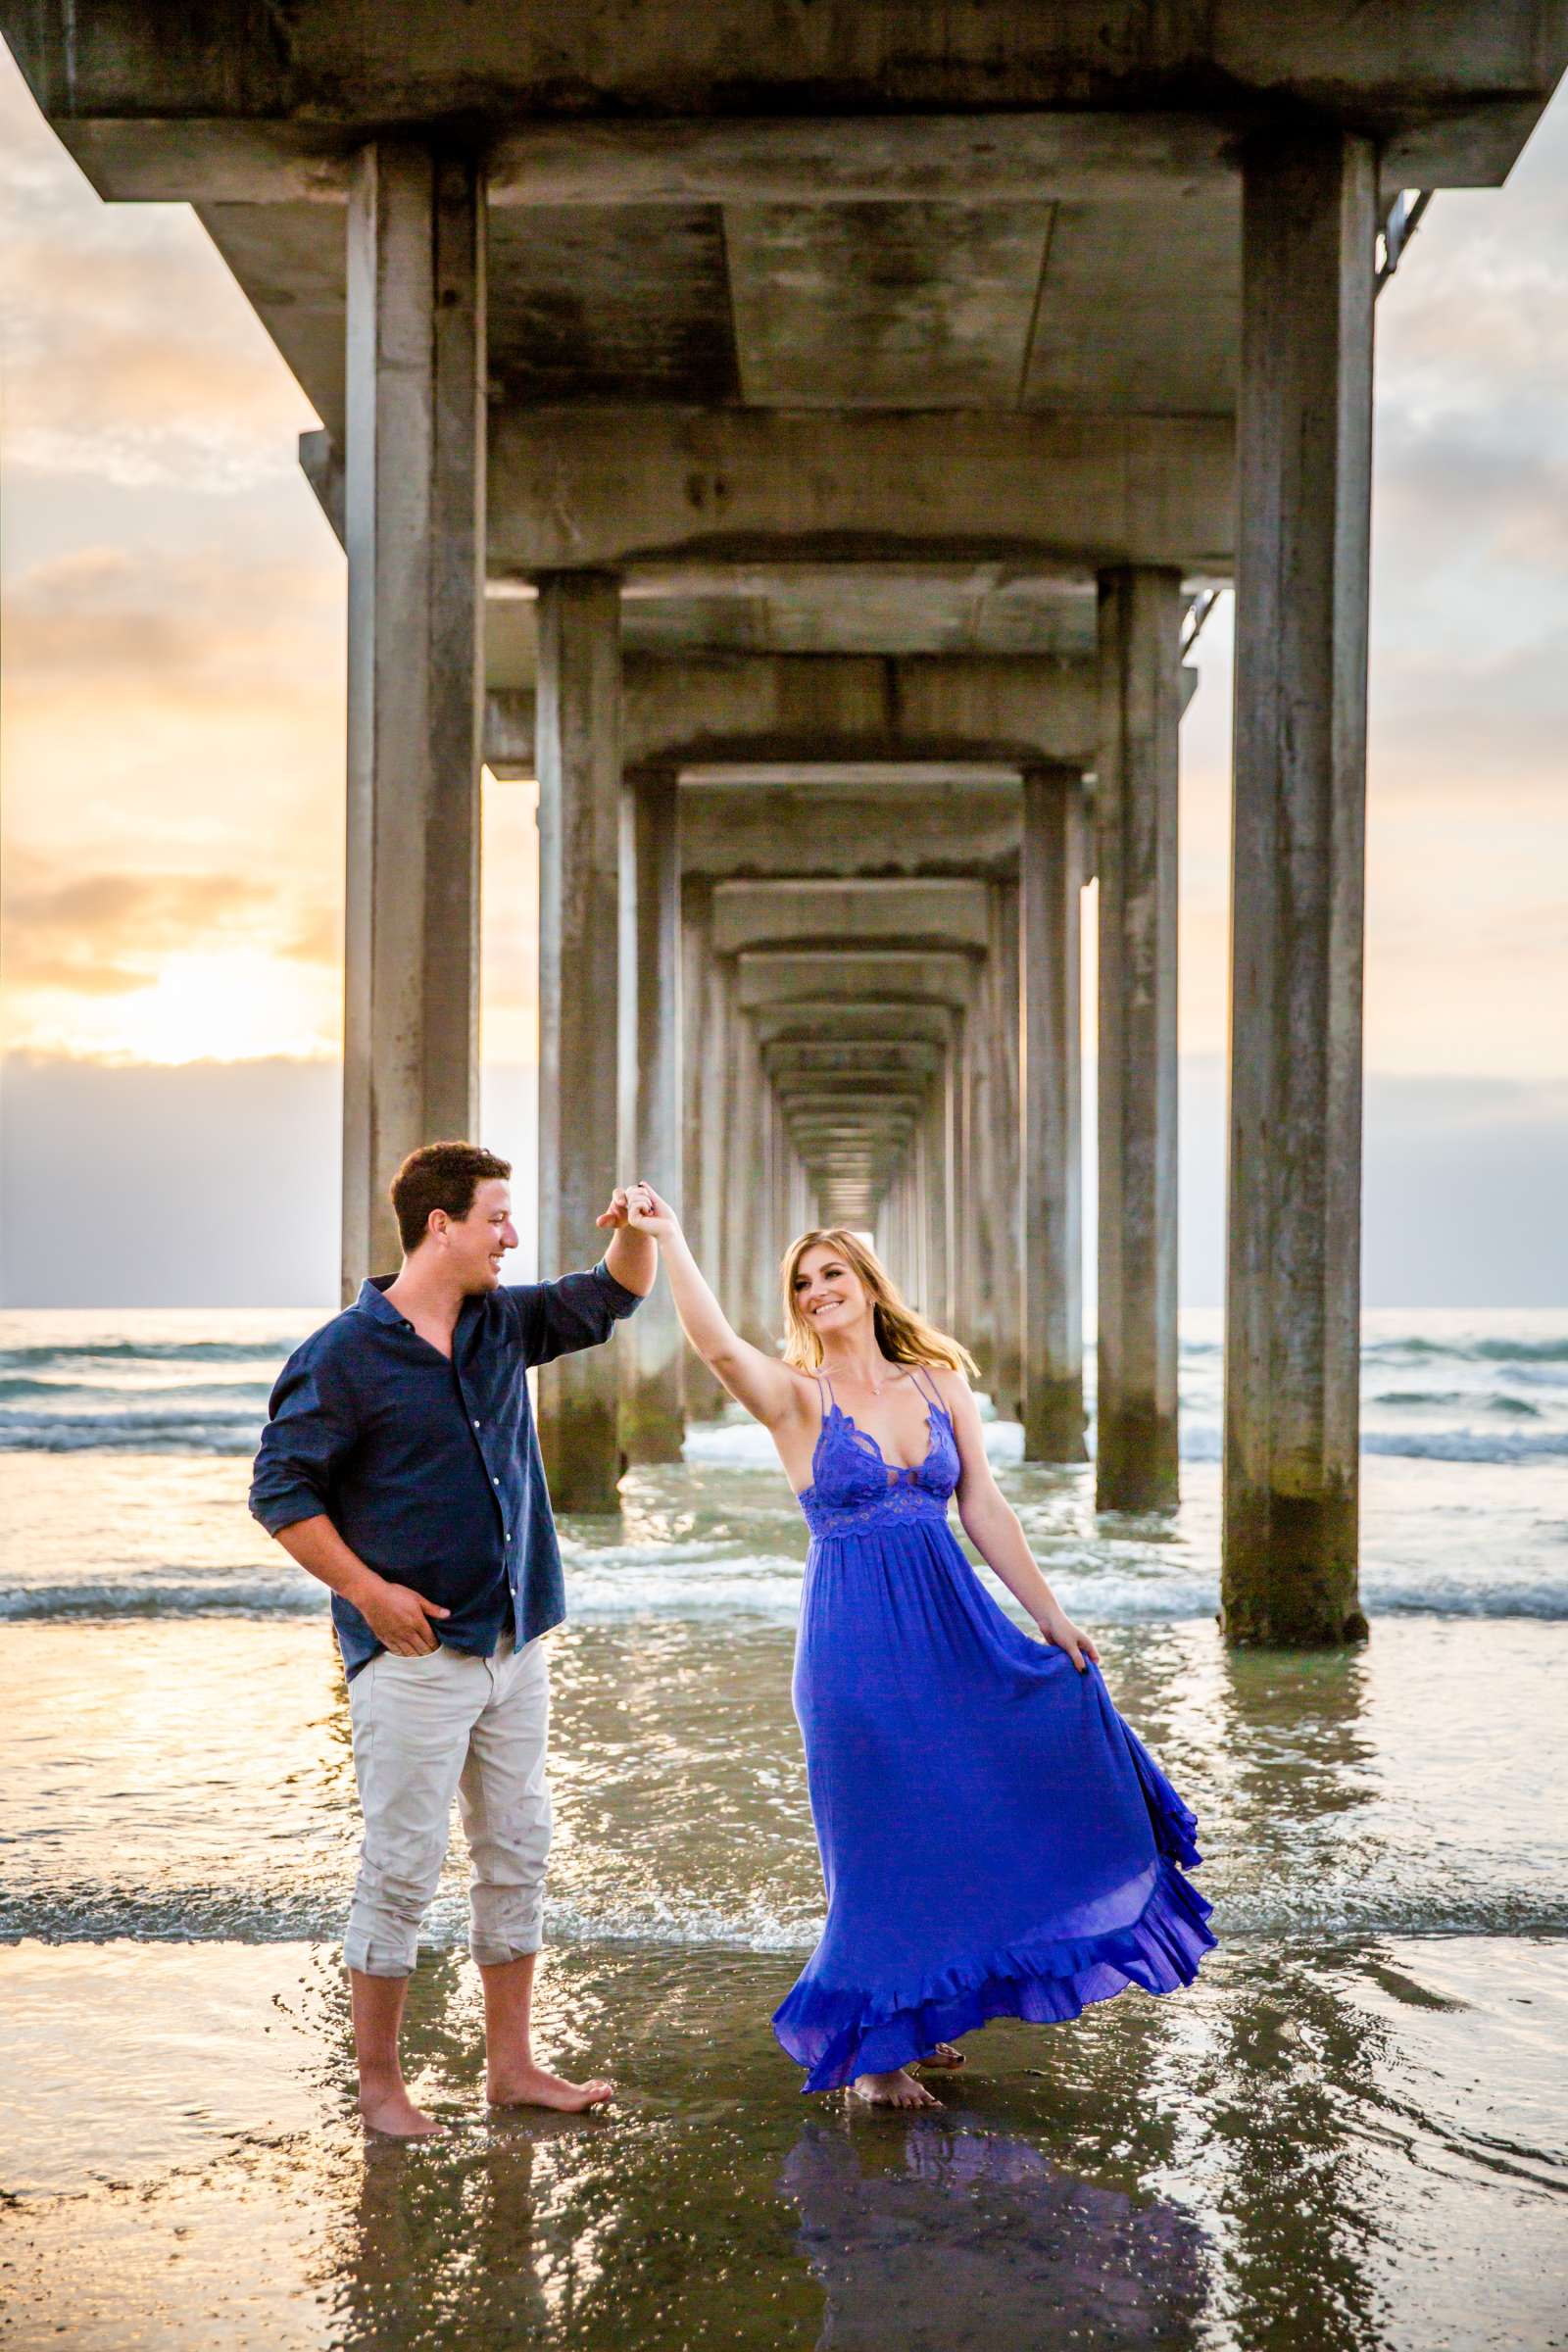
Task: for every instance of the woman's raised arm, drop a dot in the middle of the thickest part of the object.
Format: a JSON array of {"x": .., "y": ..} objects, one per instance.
[{"x": 767, "y": 1389}]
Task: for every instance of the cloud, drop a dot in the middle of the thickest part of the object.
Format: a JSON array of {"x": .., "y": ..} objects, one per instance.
[
  {"x": 130, "y": 356},
  {"x": 136, "y": 620},
  {"x": 108, "y": 933}
]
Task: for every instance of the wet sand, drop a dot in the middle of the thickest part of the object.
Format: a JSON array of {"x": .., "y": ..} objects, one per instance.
[
  {"x": 1348, "y": 2134},
  {"x": 1322, "y": 2145}
]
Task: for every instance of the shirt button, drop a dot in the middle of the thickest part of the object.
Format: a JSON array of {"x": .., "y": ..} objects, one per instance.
[
  {"x": 479, "y": 1425},
  {"x": 495, "y": 1481}
]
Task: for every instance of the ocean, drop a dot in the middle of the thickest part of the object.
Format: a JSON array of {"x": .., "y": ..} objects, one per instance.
[{"x": 1349, "y": 2133}]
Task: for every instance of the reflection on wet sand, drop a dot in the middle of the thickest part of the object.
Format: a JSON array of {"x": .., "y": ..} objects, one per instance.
[{"x": 947, "y": 2239}]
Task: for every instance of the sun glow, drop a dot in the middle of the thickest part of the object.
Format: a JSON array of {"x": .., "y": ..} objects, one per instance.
[{"x": 221, "y": 1005}]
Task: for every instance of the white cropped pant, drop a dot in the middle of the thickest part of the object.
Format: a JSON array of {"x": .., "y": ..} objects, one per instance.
[{"x": 426, "y": 1728}]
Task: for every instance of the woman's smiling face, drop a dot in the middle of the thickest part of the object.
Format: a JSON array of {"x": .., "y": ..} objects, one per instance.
[{"x": 829, "y": 1295}]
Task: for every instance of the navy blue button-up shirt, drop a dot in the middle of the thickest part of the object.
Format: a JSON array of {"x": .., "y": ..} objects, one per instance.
[{"x": 429, "y": 1469}]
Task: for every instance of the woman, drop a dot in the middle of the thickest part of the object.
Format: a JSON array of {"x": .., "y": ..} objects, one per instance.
[{"x": 995, "y": 1841}]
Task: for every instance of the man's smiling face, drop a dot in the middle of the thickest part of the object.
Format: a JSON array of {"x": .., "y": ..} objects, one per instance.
[{"x": 478, "y": 1244}]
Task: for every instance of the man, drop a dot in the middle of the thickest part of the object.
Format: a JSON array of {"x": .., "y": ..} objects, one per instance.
[{"x": 400, "y": 1465}]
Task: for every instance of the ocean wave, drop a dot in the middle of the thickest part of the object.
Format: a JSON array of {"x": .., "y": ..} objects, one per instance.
[
  {"x": 1412, "y": 1347},
  {"x": 145, "y": 1429},
  {"x": 266, "y": 1352},
  {"x": 213, "y": 1597},
  {"x": 1204, "y": 1441},
  {"x": 768, "y": 1593},
  {"x": 1325, "y": 1909}
]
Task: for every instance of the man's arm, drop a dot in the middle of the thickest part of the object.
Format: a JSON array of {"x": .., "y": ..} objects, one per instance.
[
  {"x": 398, "y": 1617},
  {"x": 581, "y": 1310},
  {"x": 311, "y": 1429}
]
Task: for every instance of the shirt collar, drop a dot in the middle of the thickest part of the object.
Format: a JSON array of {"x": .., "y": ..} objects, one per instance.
[{"x": 374, "y": 1301}]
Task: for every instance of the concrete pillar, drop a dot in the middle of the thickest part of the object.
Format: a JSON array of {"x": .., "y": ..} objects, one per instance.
[
  {"x": 652, "y": 1426},
  {"x": 1292, "y": 1284},
  {"x": 578, "y": 722},
  {"x": 1135, "y": 802},
  {"x": 1050, "y": 879},
  {"x": 703, "y": 1092},
  {"x": 742, "y": 1208},
  {"x": 1002, "y": 963},
  {"x": 414, "y": 528}
]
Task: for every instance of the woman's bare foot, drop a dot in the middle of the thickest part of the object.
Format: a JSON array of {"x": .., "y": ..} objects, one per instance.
[
  {"x": 898, "y": 2090},
  {"x": 387, "y": 2110},
  {"x": 536, "y": 2086},
  {"x": 943, "y": 2060}
]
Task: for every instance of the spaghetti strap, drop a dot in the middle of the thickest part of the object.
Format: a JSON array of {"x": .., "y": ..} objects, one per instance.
[
  {"x": 916, "y": 1371},
  {"x": 823, "y": 1402}
]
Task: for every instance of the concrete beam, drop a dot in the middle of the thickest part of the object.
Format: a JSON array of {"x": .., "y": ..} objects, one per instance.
[
  {"x": 791, "y": 710},
  {"x": 900, "y": 910},
  {"x": 582, "y": 486},
  {"x": 580, "y": 999},
  {"x": 413, "y": 519},
  {"x": 771, "y": 978},
  {"x": 1294, "y": 1228},
  {"x": 857, "y": 1019}
]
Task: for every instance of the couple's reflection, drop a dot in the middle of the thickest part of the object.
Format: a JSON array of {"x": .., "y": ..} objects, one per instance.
[{"x": 941, "y": 2237}]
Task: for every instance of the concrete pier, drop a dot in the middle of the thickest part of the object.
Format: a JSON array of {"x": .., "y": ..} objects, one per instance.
[
  {"x": 413, "y": 527},
  {"x": 848, "y": 464},
  {"x": 1135, "y": 826},
  {"x": 580, "y": 819},
  {"x": 1294, "y": 1232},
  {"x": 1052, "y": 873}
]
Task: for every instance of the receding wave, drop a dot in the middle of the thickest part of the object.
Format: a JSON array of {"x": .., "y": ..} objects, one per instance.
[
  {"x": 1203, "y": 1441},
  {"x": 766, "y": 1592},
  {"x": 135, "y": 1429},
  {"x": 237, "y": 1596}
]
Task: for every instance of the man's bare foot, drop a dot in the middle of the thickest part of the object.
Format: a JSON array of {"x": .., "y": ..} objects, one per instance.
[
  {"x": 536, "y": 2086},
  {"x": 387, "y": 2110},
  {"x": 943, "y": 2060},
  {"x": 898, "y": 2090}
]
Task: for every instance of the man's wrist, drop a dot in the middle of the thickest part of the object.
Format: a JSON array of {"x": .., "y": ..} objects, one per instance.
[{"x": 363, "y": 1585}]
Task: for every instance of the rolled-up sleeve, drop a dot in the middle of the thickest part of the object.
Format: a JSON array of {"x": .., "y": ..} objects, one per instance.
[
  {"x": 309, "y": 1429},
  {"x": 578, "y": 1310}
]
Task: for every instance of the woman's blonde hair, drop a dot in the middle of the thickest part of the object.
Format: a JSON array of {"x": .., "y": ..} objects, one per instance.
[{"x": 903, "y": 1337}]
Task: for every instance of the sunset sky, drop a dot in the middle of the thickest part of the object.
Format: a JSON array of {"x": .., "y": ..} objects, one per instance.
[{"x": 172, "y": 724}]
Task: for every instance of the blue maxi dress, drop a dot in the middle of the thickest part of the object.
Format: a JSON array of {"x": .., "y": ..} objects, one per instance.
[{"x": 995, "y": 1840}]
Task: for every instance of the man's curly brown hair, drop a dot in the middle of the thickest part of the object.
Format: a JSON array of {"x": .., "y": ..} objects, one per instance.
[{"x": 439, "y": 1176}]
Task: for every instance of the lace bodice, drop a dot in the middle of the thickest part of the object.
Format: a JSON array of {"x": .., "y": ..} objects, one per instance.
[{"x": 853, "y": 1489}]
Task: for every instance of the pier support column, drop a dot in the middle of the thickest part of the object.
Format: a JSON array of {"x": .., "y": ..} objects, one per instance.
[
  {"x": 1052, "y": 872},
  {"x": 1135, "y": 1450},
  {"x": 414, "y": 528},
  {"x": 652, "y": 1426},
  {"x": 703, "y": 1095},
  {"x": 1293, "y": 1230},
  {"x": 1006, "y": 1001},
  {"x": 578, "y": 720}
]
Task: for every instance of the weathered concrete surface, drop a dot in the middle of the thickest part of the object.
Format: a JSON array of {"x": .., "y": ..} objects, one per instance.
[
  {"x": 687, "y": 709},
  {"x": 1051, "y": 889},
  {"x": 623, "y": 486},
  {"x": 1135, "y": 803},
  {"x": 579, "y": 996},
  {"x": 1448, "y": 86},
  {"x": 1293, "y": 1230},
  {"x": 413, "y": 508},
  {"x": 911, "y": 913},
  {"x": 652, "y": 1426}
]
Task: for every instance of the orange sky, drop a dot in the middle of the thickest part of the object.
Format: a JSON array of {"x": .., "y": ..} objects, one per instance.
[{"x": 173, "y": 657}]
